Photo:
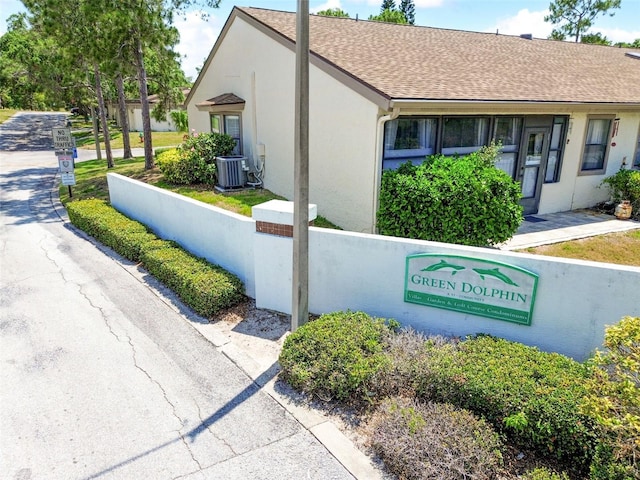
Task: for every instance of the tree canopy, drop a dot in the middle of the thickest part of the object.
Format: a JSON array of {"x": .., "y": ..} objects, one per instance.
[
  {"x": 333, "y": 12},
  {"x": 389, "y": 16},
  {"x": 573, "y": 18},
  {"x": 389, "y": 13}
]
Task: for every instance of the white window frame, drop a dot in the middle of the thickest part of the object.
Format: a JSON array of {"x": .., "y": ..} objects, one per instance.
[
  {"x": 223, "y": 124},
  {"x": 603, "y": 169},
  {"x": 635, "y": 161}
]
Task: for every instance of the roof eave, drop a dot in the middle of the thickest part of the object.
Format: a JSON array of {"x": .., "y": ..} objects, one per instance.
[{"x": 413, "y": 104}]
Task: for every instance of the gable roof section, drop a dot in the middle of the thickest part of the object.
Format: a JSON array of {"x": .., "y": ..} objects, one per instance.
[
  {"x": 403, "y": 62},
  {"x": 390, "y": 64}
]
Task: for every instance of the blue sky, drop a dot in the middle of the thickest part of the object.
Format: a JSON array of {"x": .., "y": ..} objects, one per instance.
[{"x": 511, "y": 17}]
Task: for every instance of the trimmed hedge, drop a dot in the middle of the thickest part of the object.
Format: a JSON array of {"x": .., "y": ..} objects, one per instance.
[
  {"x": 336, "y": 356},
  {"x": 204, "y": 287},
  {"x": 532, "y": 396}
]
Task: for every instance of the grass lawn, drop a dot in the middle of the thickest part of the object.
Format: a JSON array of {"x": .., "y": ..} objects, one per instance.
[
  {"x": 619, "y": 248},
  {"x": 6, "y": 114},
  {"x": 91, "y": 182}
]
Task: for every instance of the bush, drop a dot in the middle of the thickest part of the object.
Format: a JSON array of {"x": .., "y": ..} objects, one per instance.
[
  {"x": 178, "y": 169},
  {"x": 544, "y": 474},
  {"x": 625, "y": 185},
  {"x": 204, "y": 287},
  {"x": 194, "y": 160},
  {"x": 462, "y": 200},
  {"x": 110, "y": 227},
  {"x": 180, "y": 119},
  {"x": 614, "y": 401},
  {"x": 531, "y": 396},
  {"x": 335, "y": 356},
  {"x": 434, "y": 441}
]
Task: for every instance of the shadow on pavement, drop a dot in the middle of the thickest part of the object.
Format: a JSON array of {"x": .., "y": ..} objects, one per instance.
[
  {"x": 236, "y": 401},
  {"x": 29, "y": 131}
]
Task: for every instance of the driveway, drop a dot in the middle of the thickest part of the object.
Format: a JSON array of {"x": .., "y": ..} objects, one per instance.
[{"x": 103, "y": 376}]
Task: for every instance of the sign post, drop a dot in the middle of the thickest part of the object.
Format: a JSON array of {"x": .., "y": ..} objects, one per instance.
[{"x": 64, "y": 146}]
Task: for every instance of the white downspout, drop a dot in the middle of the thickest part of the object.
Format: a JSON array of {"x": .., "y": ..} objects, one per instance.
[{"x": 377, "y": 173}]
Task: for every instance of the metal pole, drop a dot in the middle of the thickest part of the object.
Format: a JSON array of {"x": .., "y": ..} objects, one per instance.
[{"x": 300, "y": 307}]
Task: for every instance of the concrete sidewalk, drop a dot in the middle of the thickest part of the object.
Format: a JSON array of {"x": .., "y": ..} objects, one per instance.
[{"x": 551, "y": 228}]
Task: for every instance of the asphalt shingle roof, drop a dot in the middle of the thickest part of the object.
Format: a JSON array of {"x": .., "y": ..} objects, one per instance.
[{"x": 423, "y": 63}]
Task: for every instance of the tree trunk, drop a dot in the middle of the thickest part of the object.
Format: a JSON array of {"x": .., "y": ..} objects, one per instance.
[
  {"x": 124, "y": 119},
  {"x": 103, "y": 116},
  {"x": 144, "y": 100},
  {"x": 96, "y": 133}
]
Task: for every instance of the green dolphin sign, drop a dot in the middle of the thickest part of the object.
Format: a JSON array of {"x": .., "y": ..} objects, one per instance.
[{"x": 471, "y": 285}]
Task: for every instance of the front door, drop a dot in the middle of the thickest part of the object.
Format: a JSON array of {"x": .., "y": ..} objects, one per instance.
[{"x": 531, "y": 166}]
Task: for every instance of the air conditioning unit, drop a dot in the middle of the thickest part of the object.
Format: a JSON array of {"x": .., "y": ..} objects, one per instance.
[{"x": 232, "y": 171}]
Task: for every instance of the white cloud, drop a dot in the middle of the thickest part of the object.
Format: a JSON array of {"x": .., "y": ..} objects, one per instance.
[
  {"x": 428, "y": 3},
  {"x": 525, "y": 22},
  {"x": 326, "y": 6},
  {"x": 197, "y": 37},
  {"x": 617, "y": 35}
]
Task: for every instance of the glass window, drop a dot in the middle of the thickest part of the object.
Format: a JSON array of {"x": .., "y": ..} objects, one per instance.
[
  {"x": 596, "y": 141},
  {"x": 462, "y": 135},
  {"x": 232, "y": 128},
  {"x": 216, "y": 124},
  {"x": 552, "y": 174},
  {"x": 636, "y": 160},
  {"x": 407, "y": 139},
  {"x": 507, "y": 131},
  {"x": 230, "y": 125},
  {"x": 410, "y": 137}
]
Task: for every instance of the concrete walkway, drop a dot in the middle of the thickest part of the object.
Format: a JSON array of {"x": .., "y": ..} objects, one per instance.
[{"x": 539, "y": 230}]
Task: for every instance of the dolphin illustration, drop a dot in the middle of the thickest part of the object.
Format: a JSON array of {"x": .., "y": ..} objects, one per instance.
[
  {"x": 441, "y": 265},
  {"x": 496, "y": 273}
]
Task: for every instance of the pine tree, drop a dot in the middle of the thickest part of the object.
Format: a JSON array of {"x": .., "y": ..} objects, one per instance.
[
  {"x": 407, "y": 7},
  {"x": 388, "y": 5}
]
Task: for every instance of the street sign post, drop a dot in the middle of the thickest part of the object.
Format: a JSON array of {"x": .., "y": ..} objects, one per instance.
[
  {"x": 62, "y": 139},
  {"x": 64, "y": 145}
]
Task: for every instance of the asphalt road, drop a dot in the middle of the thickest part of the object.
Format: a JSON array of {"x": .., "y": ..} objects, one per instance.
[{"x": 100, "y": 376}]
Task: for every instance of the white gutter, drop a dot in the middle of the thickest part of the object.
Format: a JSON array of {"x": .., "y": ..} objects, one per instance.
[{"x": 377, "y": 173}]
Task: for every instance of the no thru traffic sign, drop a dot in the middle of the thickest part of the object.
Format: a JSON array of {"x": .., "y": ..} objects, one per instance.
[{"x": 62, "y": 139}]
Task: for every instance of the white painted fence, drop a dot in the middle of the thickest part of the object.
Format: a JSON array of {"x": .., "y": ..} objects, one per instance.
[{"x": 575, "y": 299}]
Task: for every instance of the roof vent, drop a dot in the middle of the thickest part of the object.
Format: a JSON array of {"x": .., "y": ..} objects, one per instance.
[
  {"x": 633, "y": 55},
  {"x": 527, "y": 36}
]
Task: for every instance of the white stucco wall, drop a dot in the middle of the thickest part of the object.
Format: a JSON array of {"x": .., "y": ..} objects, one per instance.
[
  {"x": 575, "y": 299},
  {"x": 135, "y": 121},
  {"x": 342, "y": 128},
  {"x": 206, "y": 231},
  {"x": 576, "y": 190}
]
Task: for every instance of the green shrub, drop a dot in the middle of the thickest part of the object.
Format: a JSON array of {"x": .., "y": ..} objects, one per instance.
[
  {"x": 194, "y": 160},
  {"x": 180, "y": 169},
  {"x": 110, "y": 227},
  {"x": 531, "y": 396},
  {"x": 335, "y": 356},
  {"x": 427, "y": 441},
  {"x": 180, "y": 119},
  {"x": 543, "y": 473},
  {"x": 614, "y": 401},
  {"x": 625, "y": 185},
  {"x": 462, "y": 200},
  {"x": 204, "y": 287}
]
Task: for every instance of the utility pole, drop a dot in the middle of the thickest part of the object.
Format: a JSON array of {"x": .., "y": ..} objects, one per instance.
[{"x": 300, "y": 307}]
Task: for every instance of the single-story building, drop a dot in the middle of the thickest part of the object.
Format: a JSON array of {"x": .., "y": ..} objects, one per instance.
[
  {"x": 134, "y": 114},
  {"x": 567, "y": 114}
]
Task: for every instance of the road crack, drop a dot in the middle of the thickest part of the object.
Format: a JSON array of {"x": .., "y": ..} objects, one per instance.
[{"x": 167, "y": 400}]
